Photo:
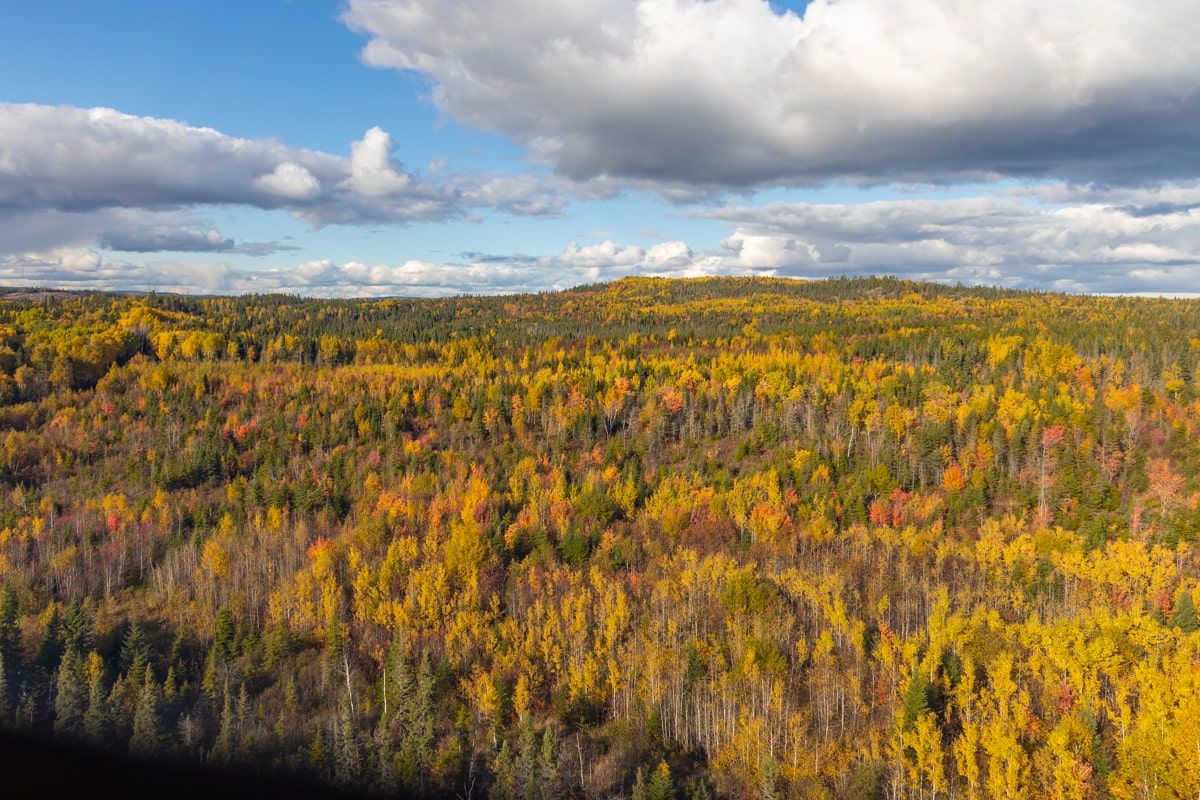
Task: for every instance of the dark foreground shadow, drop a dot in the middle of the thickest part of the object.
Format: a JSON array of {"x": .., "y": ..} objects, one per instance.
[{"x": 39, "y": 768}]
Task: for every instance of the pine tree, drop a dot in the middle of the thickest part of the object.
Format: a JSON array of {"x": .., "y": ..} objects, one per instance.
[
  {"x": 50, "y": 649},
  {"x": 5, "y": 696},
  {"x": 347, "y": 765},
  {"x": 504, "y": 786},
  {"x": 640, "y": 790},
  {"x": 96, "y": 721},
  {"x": 416, "y": 748},
  {"x": 1184, "y": 617},
  {"x": 278, "y": 644},
  {"x": 76, "y": 630},
  {"x": 549, "y": 779},
  {"x": 10, "y": 633},
  {"x": 135, "y": 652},
  {"x": 660, "y": 786},
  {"x": 223, "y": 748},
  {"x": 525, "y": 769},
  {"x": 70, "y": 701},
  {"x": 147, "y": 725},
  {"x": 316, "y": 755},
  {"x": 767, "y": 778},
  {"x": 916, "y": 700}
]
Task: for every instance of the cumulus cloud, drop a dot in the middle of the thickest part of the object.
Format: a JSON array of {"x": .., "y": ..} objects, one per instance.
[
  {"x": 1106, "y": 240},
  {"x": 1088, "y": 238},
  {"x": 730, "y": 93},
  {"x": 82, "y": 268},
  {"x": 71, "y": 160},
  {"x": 289, "y": 180}
]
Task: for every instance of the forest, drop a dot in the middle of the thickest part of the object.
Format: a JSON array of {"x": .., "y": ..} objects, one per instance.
[{"x": 686, "y": 539}]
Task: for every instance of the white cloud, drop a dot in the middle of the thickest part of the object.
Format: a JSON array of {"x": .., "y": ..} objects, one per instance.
[
  {"x": 727, "y": 93},
  {"x": 72, "y": 160},
  {"x": 1106, "y": 241},
  {"x": 1122, "y": 245},
  {"x": 289, "y": 180}
]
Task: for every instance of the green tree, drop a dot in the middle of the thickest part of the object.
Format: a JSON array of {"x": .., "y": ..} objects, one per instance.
[
  {"x": 1184, "y": 616},
  {"x": 347, "y": 764},
  {"x": 660, "y": 786},
  {"x": 70, "y": 698},
  {"x": 10, "y": 633},
  {"x": 96, "y": 720},
  {"x": 5, "y": 695},
  {"x": 147, "y": 737},
  {"x": 135, "y": 652}
]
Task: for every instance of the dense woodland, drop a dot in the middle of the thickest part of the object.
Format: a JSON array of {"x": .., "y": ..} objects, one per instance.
[{"x": 660, "y": 539}]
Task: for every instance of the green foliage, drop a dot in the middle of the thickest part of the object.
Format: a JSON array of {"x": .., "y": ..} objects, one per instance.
[{"x": 1184, "y": 616}]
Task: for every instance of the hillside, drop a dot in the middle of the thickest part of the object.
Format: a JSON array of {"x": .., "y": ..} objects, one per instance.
[{"x": 719, "y": 537}]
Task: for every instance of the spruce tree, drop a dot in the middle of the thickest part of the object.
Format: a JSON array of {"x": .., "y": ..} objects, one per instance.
[
  {"x": 147, "y": 725},
  {"x": 549, "y": 779},
  {"x": 96, "y": 720},
  {"x": 660, "y": 786},
  {"x": 640, "y": 791},
  {"x": 916, "y": 700},
  {"x": 768, "y": 776},
  {"x": 5, "y": 696},
  {"x": 223, "y": 748},
  {"x": 1184, "y": 617},
  {"x": 135, "y": 652},
  {"x": 10, "y": 632},
  {"x": 504, "y": 787},
  {"x": 347, "y": 765},
  {"x": 70, "y": 698}
]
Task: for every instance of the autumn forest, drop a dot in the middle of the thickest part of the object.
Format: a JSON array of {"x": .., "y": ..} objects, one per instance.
[{"x": 654, "y": 539}]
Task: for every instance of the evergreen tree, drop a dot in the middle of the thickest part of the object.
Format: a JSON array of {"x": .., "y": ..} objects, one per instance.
[
  {"x": 1184, "y": 617},
  {"x": 278, "y": 644},
  {"x": 10, "y": 632},
  {"x": 504, "y": 787},
  {"x": 416, "y": 748},
  {"x": 76, "y": 629},
  {"x": 96, "y": 722},
  {"x": 147, "y": 724},
  {"x": 347, "y": 765},
  {"x": 316, "y": 756},
  {"x": 660, "y": 786},
  {"x": 549, "y": 780},
  {"x": 768, "y": 778},
  {"x": 70, "y": 698},
  {"x": 640, "y": 790},
  {"x": 916, "y": 700},
  {"x": 5, "y": 696},
  {"x": 525, "y": 769},
  {"x": 222, "y": 752},
  {"x": 50, "y": 649},
  {"x": 135, "y": 652}
]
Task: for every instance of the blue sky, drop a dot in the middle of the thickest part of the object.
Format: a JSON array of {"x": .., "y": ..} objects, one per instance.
[{"x": 457, "y": 146}]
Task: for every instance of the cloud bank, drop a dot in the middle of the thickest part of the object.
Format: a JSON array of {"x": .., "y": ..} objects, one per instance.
[
  {"x": 1103, "y": 241},
  {"x": 1086, "y": 240},
  {"x": 728, "y": 93}
]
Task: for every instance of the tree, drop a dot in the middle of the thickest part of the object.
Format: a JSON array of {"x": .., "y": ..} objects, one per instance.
[
  {"x": 96, "y": 720},
  {"x": 347, "y": 764},
  {"x": 70, "y": 699},
  {"x": 147, "y": 724},
  {"x": 1184, "y": 616},
  {"x": 135, "y": 651}
]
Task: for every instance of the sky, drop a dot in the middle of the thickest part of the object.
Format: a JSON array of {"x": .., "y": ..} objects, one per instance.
[{"x": 356, "y": 148}]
